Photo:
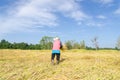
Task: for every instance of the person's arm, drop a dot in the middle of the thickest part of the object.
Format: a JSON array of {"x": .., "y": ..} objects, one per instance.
[{"x": 61, "y": 45}]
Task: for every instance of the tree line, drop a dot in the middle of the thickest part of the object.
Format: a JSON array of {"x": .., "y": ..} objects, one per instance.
[{"x": 46, "y": 44}]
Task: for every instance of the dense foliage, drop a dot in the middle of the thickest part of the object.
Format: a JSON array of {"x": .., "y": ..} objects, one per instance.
[
  {"x": 46, "y": 43},
  {"x": 70, "y": 44},
  {"x": 7, "y": 45}
]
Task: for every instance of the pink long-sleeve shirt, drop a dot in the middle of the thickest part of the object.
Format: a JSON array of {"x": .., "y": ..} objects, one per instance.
[{"x": 56, "y": 45}]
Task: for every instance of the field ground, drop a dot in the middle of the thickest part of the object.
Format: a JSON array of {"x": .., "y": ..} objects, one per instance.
[{"x": 74, "y": 65}]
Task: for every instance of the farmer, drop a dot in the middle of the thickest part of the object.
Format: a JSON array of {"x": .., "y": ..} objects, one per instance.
[{"x": 56, "y": 50}]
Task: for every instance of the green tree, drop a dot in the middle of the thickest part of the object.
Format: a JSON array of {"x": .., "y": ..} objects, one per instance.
[
  {"x": 37, "y": 46},
  {"x": 76, "y": 45},
  {"x": 23, "y": 45},
  {"x": 69, "y": 44},
  {"x": 82, "y": 44},
  {"x": 72, "y": 44},
  {"x": 31, "y": 46},
  {"x": 5, "y": 44},
  {"x": 46, "y": 42}
]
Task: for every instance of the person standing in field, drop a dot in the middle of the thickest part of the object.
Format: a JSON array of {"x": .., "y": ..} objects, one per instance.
[{"x": 57, "y": 45}]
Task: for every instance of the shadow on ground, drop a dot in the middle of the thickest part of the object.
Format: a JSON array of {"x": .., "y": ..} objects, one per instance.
[{"x": 62, "y": 60}]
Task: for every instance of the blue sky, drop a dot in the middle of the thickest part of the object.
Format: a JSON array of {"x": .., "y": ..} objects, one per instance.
[{"x": 29, "y": 20}]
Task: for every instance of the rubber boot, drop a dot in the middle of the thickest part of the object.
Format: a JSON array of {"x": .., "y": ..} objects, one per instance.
[
  {"x": 52, "y": 62},
  {"x": 58, "y": 62}
]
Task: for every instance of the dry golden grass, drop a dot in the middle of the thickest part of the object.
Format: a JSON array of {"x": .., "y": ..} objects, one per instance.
[{"x": 74, "y": 65}]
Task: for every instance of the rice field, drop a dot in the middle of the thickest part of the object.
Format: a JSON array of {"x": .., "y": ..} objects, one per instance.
[{"x": 74, "y": 65}]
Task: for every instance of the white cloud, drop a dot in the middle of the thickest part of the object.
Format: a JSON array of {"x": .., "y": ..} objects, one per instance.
[
  {"x": 101, "y": 17},
  {"x": 78, "y": 15},
  {"x": 71, "y": 9},
  {"x": 30, "y": 14},
  {"x": 117, "y": 11},
  {"x": 104, "y": 1},
  {"x": 95, "y": 24}
]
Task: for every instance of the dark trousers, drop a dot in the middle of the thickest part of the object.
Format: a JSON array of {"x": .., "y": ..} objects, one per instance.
[{"x": 57, "y": 56}]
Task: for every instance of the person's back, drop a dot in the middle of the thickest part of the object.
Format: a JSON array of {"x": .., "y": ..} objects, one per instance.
[
  {"x": 56, "y": 50},
  {"x": 56, "y": 45}
]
